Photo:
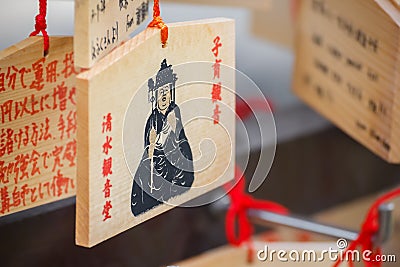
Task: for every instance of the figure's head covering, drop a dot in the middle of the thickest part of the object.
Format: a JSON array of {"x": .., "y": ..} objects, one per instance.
[{"x": 164, "y": 76}]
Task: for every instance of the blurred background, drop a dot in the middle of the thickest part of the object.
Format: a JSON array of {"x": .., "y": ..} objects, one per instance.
[{"x": 317, "y": 167}]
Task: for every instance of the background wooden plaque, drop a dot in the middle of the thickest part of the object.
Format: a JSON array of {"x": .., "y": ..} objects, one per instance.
[
  {"x": 101, "y": 25},
  {"x": 347, "y": 68},
  {"x": 38, "y": 124}
]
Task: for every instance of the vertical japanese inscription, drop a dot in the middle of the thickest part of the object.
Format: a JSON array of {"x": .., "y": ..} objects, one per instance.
[
  {"x": 103, "y": 24},
  {"x": 38, "y": 125},
  {"x": 217, "y": 85},
  {"x": 106, "y": 130},
  {"x": 342, "y": 69}
]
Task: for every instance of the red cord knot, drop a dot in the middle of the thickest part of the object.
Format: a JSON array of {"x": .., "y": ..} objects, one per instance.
[
  {"x": 158, "y": 22},
  {"x": 241, "y": 202},
  {"x": 40, "y": 23}
]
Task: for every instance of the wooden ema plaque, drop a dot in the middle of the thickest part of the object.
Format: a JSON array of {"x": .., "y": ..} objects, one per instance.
[
  {"x": 279, "y": 14},
  {"x": 347, "y": 68},
  {"x": 101, "y": 25},
  {"x": 38, "y": 124},
  {"x": 144, "y": 118},
  {"x": 253, "y": 4}
]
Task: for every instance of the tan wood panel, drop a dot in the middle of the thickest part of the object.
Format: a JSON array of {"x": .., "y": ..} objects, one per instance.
[
  {"x": 397, "y": 3},
  {"x": 116, "y": 90},
  {"x": 347, "y": 69},
  {"x": 237, "y": 257},
  {"x": 101, "y": 25},
  {"x": 38, "y": 124},
  {"x": 253, "y": 4},
  {"x": 275, "y": 24}
]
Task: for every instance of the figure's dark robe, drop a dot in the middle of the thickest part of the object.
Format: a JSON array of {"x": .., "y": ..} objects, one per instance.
[{"x": 172, "y": 164}]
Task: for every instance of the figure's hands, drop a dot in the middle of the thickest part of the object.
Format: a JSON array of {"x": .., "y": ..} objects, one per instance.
[
  {"x": 151, "y": 150},
  {"x": 171, "y": 118},
  {"x": 152, "y": 139},
  {"x": 153, "y": 136}
]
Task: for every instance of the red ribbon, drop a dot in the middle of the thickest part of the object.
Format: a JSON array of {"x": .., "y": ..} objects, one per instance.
[
  {"x": 240, "y": 204},
  {"x": 369, "y": 230},
  {"x": 158, "y": 22},
  {"x": 40, "y": 24}
]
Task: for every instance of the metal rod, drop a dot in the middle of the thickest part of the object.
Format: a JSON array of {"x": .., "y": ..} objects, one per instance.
[
  {"x": 265, "y": 218},
  {"x": 386, "y": 223}
]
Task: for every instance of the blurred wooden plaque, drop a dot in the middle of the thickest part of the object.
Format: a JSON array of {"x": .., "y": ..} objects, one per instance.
[
  {"x": 253, "y": 4},
  {"x": 38, "y": 124},
  {"x": 295, "y": 254},
  {"x": 347, "y": 68},
  {"x": 275, "y": 24},
  {"x": 101, "y": 25},
  {"x": 145, "y": 121}
]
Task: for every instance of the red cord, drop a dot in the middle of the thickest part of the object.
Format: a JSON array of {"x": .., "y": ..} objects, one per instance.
[
  {"x": 295, "y": 9},
  {"x": 40, "y": 24},
  {"x": 240, "y": 203},
  {"x": 369, "y": 230},
  {"x": 158, "y": 22},
  {"x": 246, "y": 107}
]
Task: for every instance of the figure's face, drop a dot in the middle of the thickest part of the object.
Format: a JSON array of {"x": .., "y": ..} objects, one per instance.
[{"x": 164, "y": 97}]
